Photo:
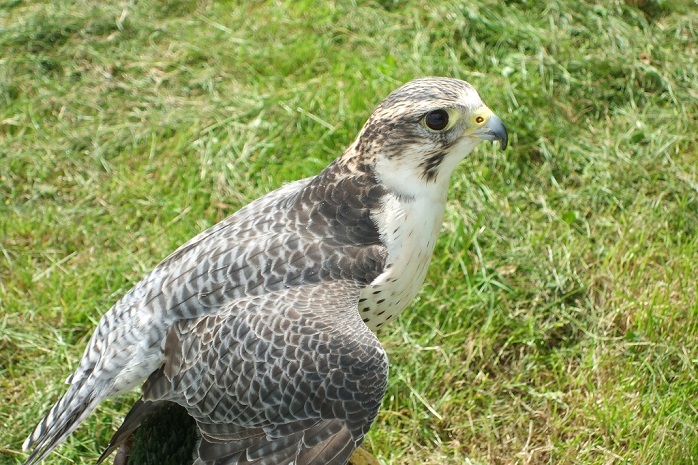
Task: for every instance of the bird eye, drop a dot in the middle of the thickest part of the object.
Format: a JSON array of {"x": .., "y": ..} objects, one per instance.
[{"x": 436, "y": 120}]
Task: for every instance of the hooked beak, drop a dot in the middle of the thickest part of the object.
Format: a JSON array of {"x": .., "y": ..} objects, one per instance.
[{"x": 494, "y": 129}]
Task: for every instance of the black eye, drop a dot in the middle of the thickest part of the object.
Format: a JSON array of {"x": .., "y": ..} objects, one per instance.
[{"x": 436, "y": 120}]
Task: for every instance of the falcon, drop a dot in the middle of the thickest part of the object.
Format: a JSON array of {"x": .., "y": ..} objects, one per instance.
[{"x": 263, "y": 327}]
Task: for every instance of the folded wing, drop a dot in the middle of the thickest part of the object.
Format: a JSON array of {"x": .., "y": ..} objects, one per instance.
[{"x": 292, "y": 376}]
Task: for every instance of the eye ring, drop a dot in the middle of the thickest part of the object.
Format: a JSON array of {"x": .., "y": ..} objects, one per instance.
[{"x": 436, "y": 120}]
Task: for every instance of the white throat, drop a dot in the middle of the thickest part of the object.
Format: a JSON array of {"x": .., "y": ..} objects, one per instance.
[
  {"x": 405, "y": 177},
  {"x": 409, "y": 227}
]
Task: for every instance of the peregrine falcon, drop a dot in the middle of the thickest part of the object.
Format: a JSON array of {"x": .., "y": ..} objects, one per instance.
[{"x": 262, "y": 327}]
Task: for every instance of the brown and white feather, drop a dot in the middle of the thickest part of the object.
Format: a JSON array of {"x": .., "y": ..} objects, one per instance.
[{"x": 261, "y": 327}]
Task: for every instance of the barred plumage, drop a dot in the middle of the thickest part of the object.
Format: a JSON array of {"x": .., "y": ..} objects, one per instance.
[{"x": 261, "y": 327}]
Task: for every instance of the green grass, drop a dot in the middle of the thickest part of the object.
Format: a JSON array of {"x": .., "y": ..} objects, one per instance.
[{"x": 559, "y": 321}]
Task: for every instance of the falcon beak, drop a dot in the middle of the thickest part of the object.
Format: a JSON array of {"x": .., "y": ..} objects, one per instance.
[{"x": 494, "y": 129}]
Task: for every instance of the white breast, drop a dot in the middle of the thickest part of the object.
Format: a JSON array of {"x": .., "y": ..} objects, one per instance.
[{"x": 410, "y": 229}]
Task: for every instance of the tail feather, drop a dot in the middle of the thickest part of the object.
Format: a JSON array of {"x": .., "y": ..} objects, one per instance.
[{"x": 63, "y": 418}]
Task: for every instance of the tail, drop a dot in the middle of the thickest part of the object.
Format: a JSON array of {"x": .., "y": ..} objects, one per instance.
[{"x": 63, "y": 418}]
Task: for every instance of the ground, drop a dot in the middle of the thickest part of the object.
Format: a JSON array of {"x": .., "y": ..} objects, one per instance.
[{"x": 559, "y": 321}]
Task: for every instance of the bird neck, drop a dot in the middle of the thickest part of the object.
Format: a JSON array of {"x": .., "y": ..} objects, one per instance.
[{"x": 406, "y": 182}]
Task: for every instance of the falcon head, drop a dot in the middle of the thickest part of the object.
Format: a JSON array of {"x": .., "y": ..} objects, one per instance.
[{"x": 415, "y": 138}]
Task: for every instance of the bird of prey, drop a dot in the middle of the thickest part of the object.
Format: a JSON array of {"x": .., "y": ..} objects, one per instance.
[{"x": 262, "y": 327}]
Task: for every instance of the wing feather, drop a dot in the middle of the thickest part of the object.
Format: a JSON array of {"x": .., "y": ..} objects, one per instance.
[
  {"x": 244, "y": 256},
  {"x": 312, "y": 402}
]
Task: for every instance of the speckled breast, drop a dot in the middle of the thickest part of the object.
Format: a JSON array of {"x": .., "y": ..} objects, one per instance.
[{"x": 409, "y": 231}]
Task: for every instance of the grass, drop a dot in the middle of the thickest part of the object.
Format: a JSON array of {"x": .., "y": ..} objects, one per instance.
[{"x": 559, "y": 321}]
